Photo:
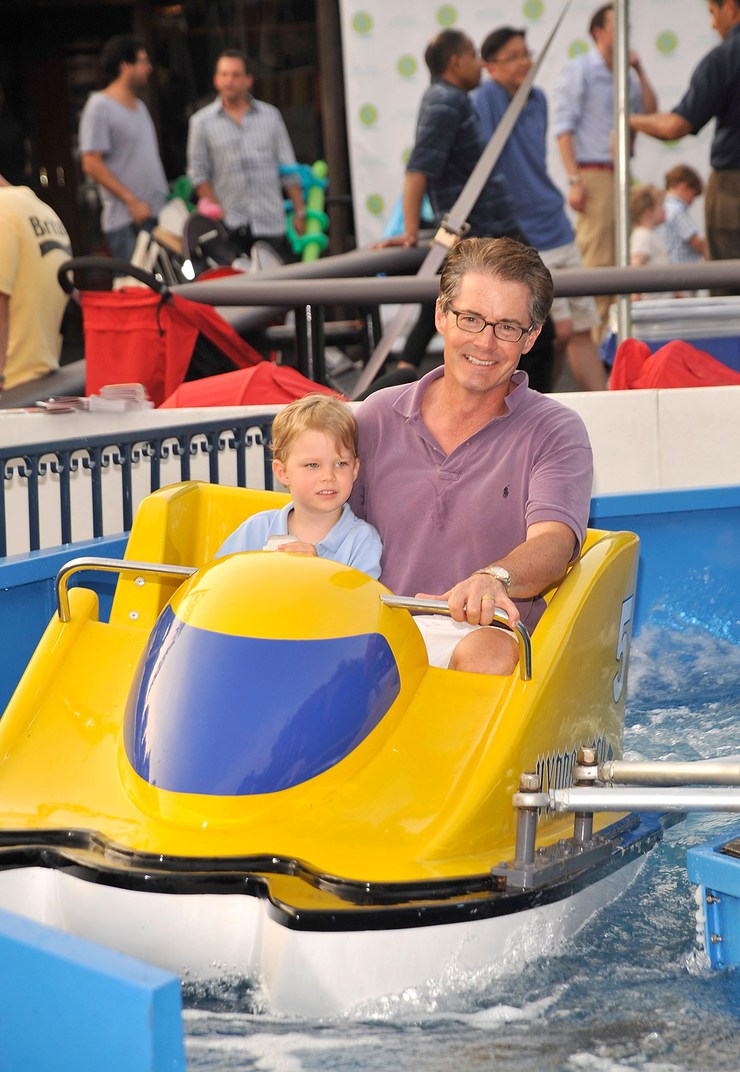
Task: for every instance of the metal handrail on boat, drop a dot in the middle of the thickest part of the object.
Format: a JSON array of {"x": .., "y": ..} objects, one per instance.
[
  {"x": 439, "y": 606},
  {"x": 111, "y": 565},
  {"x": 640, "y": 798},
  {"x": 669, "y": 772},
  {"x": 645, "y": 785},
  {"x": 660, "y": 788}
]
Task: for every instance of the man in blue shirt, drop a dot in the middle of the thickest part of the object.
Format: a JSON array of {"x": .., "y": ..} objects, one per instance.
[
  {"x": 713, "y": 93},
  {"x": 537, "y": 201},
  {"x": 583, "y": 109}
]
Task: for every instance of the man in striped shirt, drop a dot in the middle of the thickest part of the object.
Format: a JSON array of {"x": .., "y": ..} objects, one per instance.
[{"x": 236, "y": 146}]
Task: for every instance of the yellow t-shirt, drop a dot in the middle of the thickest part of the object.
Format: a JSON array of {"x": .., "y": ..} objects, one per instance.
[{"x": 33, "y": 244}]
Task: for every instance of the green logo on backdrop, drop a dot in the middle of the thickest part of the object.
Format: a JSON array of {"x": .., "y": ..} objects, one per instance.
[
  {"x": 406, "y": 66},
  {"x": 666, "y": 42},
  {"x": 374, "y": 204},
  {"x": 577, "y": 48},
  {"x": 533, "y": 9},
  {"x": 447, "y": 15},
  {"x": 368, "y": 115},
  {"x": 362, "y": 23}
]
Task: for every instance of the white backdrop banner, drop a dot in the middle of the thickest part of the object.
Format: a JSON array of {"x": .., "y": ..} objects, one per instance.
[{"x": 385, "y": 75}]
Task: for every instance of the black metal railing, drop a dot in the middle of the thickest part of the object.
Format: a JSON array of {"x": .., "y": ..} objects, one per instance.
[{"x": 36, "y": 479}]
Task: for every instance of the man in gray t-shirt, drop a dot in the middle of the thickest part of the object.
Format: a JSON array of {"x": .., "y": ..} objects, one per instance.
[{"x": 119, "y": 148}]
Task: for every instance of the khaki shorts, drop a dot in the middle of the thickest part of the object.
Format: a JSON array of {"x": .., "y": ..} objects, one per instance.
[
  {"x": 442, "y": 635},
  {"x": 581, "y": 311}
]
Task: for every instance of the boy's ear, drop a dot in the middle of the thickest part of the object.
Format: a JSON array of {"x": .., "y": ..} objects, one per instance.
[
  {"x": 280, "y": 472},
  {"x": 357, "y": 469}
]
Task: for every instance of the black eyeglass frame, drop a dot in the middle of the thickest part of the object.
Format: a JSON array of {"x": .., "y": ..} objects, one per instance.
[{"x": 495, "y": 324}]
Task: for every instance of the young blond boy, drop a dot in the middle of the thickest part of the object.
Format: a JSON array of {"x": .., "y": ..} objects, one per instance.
[
  {"x": 315, "y": 456},
  {"x": 646, "y": 244}
]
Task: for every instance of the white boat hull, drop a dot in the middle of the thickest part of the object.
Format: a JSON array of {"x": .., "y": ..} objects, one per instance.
[{"x": 203, "y": 937}]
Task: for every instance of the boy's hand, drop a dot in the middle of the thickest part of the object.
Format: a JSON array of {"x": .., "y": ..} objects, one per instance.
[{"x": 298, "y": 547}]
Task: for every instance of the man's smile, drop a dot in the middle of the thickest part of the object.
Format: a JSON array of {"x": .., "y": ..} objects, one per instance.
[{"x": 478, "y": 361}]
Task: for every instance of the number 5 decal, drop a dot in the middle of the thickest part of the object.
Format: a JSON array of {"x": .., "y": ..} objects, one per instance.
[{"x": 623, "y": 647}]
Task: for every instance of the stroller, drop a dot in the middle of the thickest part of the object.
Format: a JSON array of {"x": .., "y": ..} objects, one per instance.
[
  {"x": 183, "y": 352},
  {"x": 145, "y": 334}
]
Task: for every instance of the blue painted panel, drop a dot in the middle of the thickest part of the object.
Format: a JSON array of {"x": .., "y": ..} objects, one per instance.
[
  {"x": 67, "y": 1005},
  {"x": 719, "y": 876},
  {"x": 689, "y": 571},
  {"x": 229, "y": 715}
]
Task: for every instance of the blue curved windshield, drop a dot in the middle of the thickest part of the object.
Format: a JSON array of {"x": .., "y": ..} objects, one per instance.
[{"x": 228, "y": 715}]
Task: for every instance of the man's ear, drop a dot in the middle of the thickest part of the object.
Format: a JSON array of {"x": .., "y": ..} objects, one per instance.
[
  {"x": 439, "y": 317},
  {"x": 452, "y": 64},
  {"x": 531, "y": 339}
]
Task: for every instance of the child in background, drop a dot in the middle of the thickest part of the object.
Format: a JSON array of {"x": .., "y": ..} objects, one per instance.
[
  {"x": 682, "y": 237},
  {"x": 314, "y": 449},
  {"x": 646, "y": 244}
]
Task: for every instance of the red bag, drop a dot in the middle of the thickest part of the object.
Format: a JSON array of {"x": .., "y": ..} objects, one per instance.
[
  {"x": 133, "y": 335},
  {"x": 677, "y": 364},
  {"x": 265, "y": 384}
]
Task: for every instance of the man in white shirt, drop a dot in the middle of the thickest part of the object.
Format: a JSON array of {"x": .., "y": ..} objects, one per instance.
[{"x": 236, "y": 147}]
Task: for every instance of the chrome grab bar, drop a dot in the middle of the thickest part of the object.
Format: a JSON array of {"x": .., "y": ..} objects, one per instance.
[
  {"x": 110, "y": 565},
  {"x": 439, "y": 606}
]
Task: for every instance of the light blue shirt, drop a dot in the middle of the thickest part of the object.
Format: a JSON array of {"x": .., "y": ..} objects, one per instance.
[
  {"x": 678, "y": 231},
  {"x": 351, "y": 541},
  {"x": 583, "y": 105}
]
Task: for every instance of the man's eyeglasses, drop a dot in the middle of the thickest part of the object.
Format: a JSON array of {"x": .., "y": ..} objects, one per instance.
[
  {"x": 501, "y": 328},
  {"x": 515, "y": 57}
]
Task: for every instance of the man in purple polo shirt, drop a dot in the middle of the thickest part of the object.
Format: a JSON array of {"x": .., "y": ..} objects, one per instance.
[{"x": 479, "y": 487}]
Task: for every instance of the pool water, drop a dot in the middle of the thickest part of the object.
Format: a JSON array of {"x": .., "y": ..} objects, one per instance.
[{"x": 632, "y": 990}]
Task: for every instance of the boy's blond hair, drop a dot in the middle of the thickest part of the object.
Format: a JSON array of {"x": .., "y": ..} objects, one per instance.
[
  {"x": 643, "y": 198},
  {"x": 314, "y": 413}
]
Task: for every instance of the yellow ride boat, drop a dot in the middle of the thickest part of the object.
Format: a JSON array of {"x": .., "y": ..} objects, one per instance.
[{"x": 251, "y": 770}]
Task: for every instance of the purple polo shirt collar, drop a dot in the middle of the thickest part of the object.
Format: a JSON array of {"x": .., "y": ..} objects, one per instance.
[{"x": 408, "y": 403}]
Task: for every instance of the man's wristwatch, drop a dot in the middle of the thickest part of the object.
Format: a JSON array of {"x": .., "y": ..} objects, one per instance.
[{"x": 500, "y": 574}]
